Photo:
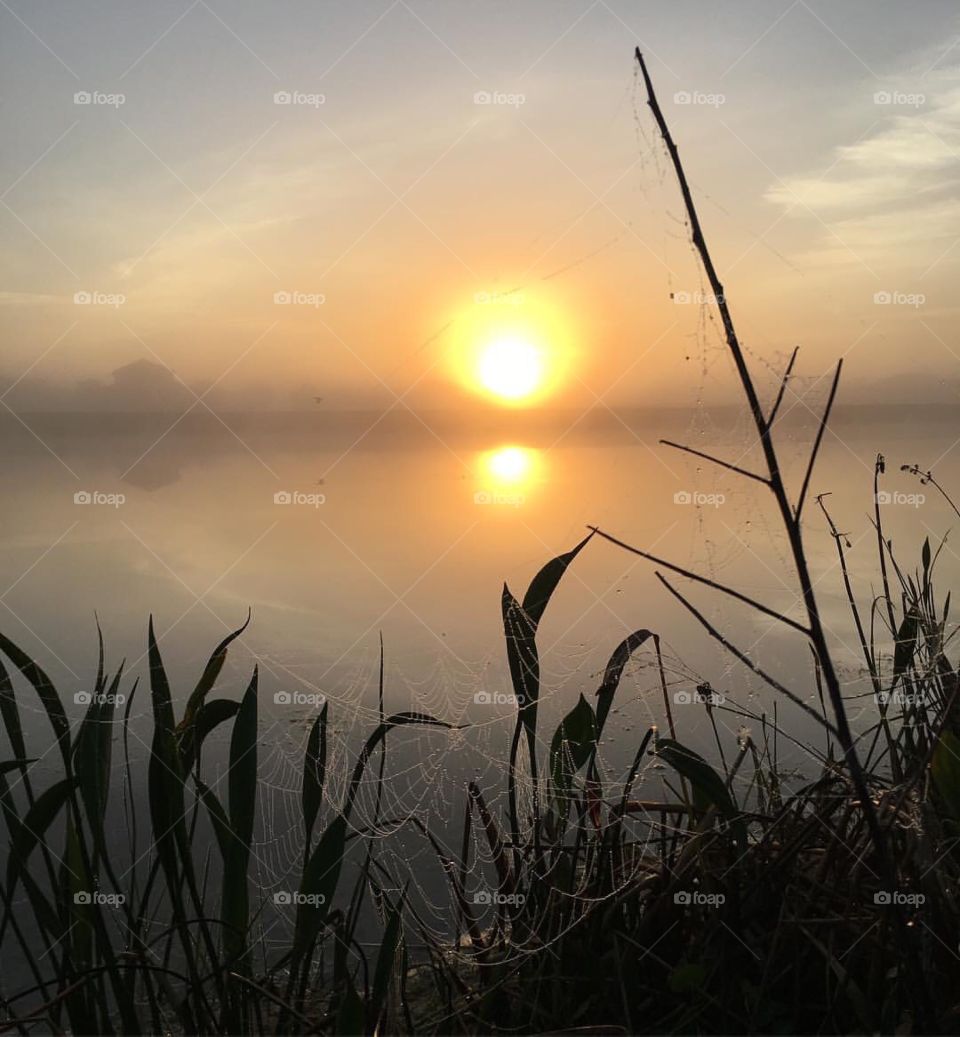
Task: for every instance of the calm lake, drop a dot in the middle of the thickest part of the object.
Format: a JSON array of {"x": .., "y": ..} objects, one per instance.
[{"x": 335, "y": 530}]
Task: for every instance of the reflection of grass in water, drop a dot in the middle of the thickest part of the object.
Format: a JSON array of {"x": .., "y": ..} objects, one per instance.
[{"x": 728, "y": 902}]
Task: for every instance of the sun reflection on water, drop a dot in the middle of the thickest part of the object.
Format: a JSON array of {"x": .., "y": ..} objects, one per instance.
[{"x": 507, "y": 473}]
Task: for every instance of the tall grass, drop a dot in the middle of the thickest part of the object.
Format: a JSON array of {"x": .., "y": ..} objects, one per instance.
[
  {"x": 735, "y": 903},
  {"x": 180, "y": 958}
]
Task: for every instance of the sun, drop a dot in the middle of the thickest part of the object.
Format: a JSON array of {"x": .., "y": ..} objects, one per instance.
[
  {"x": 510, "y": 368},
  {"x": 517, "y": 350}
]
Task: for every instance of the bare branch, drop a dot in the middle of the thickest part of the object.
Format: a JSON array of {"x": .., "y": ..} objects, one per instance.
[
  {"x": 743, "y": 657},
  {"x": 818, "y": 440},
  {"x": 789, "y": 517},
  {"x": 706, "y": 581},
  {"x": 716, "y": 460},
  {"x": 700, "y": 243},
  {"x": 783, "y": 387}
]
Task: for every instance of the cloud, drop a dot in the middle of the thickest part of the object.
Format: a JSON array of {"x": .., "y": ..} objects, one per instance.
[
  {"x": 896, "y": 187},
  {"x": 29, "y": 299}
]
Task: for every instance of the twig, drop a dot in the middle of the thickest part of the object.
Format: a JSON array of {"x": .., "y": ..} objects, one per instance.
[
  {"x": 663, "y": 689},
  {"x": 714, "y": 460},
  {"x": 783, "y": 388},
  {"x": 743, "y": 657},
  {"x": 816, "y": 443},
  {"x": 706, "y": 581},
  {"x": 879, "y": 468},
  {"x": 790, "y": 520},
  {"x": 867, "y": 653}
]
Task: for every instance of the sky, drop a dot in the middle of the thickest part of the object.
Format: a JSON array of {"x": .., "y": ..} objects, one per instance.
[{"x": 275, "y": 202}]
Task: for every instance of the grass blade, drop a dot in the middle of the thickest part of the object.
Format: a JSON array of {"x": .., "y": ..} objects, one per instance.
[
  {"x": 545, "y": 582},
  {"x": 614, "y": 671},
  {"x": 49, "y": 698},
  {"x": 314, "y": 772}
]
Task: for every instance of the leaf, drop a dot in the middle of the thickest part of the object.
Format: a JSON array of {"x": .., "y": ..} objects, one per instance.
[
  {"x": 497, "y": 850},
  {"x": 385, "y": 962},
  {"x": 350, "y": 1012},
  {"x": 218, "y": 816},
  {"x": 314, "y": 770},
  {"x": 14, "y": 765},
  {"x": 92, "y": 751},
  {"x": 159, "y": 686},
  {"x": 164, "y": 776},
  {"x": 571, "y": 747},
  {"x": 545, "y": 582},
  {"x": 708, "y": 787},
  {"x": 211, "y": 715},
  {"x": 49, "y": 698},
  {"x": 946, "y": 772},
  {"x": 33, "y": 827},
  {"x": 614, "y": 671},
  {"x": 77, "y": 880},
  {"x": 242, "y": 786},
  {"x": 318, "y": 885},
  {"x": 11, "y": 714},
  {"x": 520, "y": 631},
  {"x": 242, "y": 781},
  {"x": 99, "y": 680},
  {"x": 396, "y": 720},
  {"x": 43, "y": 910},
  {"x": 905, "y": 645},
  {"x": 209, "y": 676},
  {"x": 925, "y": 554}
]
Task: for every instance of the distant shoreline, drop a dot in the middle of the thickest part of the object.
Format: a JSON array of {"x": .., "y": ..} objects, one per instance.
[
  {"x": 400, "y": 426},
  {"x": 533, "y": 416}
]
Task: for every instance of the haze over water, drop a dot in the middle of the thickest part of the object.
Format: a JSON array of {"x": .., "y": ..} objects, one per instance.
[{"x": 411, "y": 533}]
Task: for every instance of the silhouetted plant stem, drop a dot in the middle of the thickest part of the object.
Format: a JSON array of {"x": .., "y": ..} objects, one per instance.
[
  {"x": 790, "y": 518},
  {"x": 864, "y": 647}
]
